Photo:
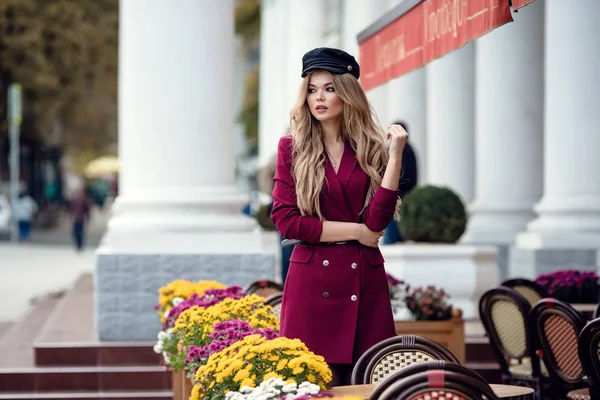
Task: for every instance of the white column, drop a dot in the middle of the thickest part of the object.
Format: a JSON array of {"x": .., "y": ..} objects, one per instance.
[
  {"x": 177, "y": 181},
  {"x": 451, "y": 121},
  {"x": 509, "y": 128},
  {"x": 305, "y": 32},
  {"x": 358, "y": 15},
  {"x": 407, "y": 101},
  {"x": 269, "y": 37},
  {"x": 569, "y": 211}
]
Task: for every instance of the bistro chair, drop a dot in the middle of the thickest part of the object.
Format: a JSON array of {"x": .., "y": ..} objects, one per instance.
[
  {"x": 392, "y": 354},
  {"x": 263, "y": 288},
  {"x": 504, "y": 314},
  {"x": 458, "y": 384},
  {"x": 531, "y": 291},
  {"x": 557, "y": 326}
]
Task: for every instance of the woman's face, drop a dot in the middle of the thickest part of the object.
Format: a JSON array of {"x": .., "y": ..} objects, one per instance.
[{"x": 323, "y": 101}]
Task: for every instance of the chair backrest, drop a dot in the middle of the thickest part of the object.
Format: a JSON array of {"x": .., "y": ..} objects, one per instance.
[
  {"x": 264, "y": 288},
  {"x": 388, "y": 356},
  {"x": 504, "y": 314},
  {"x": 531, "y": 291},
  {"x": 589, "y": 355},
  {"x": 421, "y": 367},
  {"x": 597, "y": 312},
  {"x": 557, "y": 326},
  {"x": 441, "y": 384},
  {"x": 275, "y": 301}
]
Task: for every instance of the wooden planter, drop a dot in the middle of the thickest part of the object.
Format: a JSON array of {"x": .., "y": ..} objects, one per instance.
[
  {"x": 181, "y": 386},
  {"x": 450, "y": 334}
]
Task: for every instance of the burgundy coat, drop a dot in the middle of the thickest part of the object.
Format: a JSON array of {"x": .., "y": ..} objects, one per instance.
[{"x": 336, "y": 299}]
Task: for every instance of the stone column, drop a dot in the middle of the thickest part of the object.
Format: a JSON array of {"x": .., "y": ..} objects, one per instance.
[
  {"x": 509, "y": 131},
  {"x": 358, "y": 15},
  {"x": 306, "y": 31},
  {"x": 566, "y": 233},
  {"x": 407, "y": 101},
  {"x": 269, "y": 40},
  {"x": 451, "y": 121},
  {"x": 178, "y": 214}
]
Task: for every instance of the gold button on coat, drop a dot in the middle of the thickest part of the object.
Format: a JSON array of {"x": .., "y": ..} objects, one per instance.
[
  {"x": 325, "y": 295},
  {"x": 353, "y": 298},
  {"x": 354, "y": 265},
  {"x": 325, "y": 263}
]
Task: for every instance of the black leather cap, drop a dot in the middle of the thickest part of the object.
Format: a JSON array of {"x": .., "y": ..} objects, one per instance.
[{"x": 335, "y": 61}]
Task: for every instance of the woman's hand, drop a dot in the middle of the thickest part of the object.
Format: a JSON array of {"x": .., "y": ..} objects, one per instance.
[
  {"x": 367, "y": 237},
  {"x": 398, "y": 137}
]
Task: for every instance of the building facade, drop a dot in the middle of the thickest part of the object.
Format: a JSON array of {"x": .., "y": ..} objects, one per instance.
[{"x": 509, "y": 121}]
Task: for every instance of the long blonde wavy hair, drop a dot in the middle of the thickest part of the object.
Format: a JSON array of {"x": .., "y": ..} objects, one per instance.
[{"x": 359, "y": 127}]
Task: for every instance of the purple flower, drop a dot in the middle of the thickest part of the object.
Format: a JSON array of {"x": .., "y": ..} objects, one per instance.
[{"x": 225, "y": 334}]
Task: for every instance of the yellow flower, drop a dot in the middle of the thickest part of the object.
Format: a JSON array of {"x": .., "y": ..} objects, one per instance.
[
  {"x": 182, "y": 289},
  {"x": 282, "y": 358}
]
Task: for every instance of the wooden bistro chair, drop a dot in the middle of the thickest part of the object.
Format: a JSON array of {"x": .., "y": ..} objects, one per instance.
[
  {"x": 263, "y": 288},
  {"x": 392, "y": 354},
  {"x": 531, "y": 291},
  {"x": 504, "y": 314},
  {"x": 589, "y": 355},
  {"x": 275, "y": 301},
  {"x": 557, "y": 326},
  {"x": 422, "y": 367},
  {"x": 457, "y": 384}
]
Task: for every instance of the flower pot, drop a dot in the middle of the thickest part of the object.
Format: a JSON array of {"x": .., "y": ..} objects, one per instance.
[
  {"x": 465, "y": 272},
  {"x": 181, "y": 385},
  {"x": 449, "y": 333},
  {"x": 177, "y": 378}
]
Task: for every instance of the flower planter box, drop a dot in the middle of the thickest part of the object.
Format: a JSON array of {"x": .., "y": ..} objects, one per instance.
[
  {"x": 181, "y": 386},
  {"x": 465, "y": 272},
  {"x": 450, "y": 333}
]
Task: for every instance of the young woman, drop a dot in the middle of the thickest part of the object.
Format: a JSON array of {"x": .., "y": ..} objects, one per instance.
[{"x": 336, "y": 189}]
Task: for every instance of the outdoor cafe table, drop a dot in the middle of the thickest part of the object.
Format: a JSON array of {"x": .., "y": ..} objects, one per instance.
[{"x": 502, "y": 391}]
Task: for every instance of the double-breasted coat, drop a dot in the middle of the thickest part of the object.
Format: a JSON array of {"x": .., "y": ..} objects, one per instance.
[{"x": 336, "y": 298}]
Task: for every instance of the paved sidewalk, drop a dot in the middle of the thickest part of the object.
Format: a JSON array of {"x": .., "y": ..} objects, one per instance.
[
  {"x": 48, "y": 263},
  {"x": 31, "y": 270}
]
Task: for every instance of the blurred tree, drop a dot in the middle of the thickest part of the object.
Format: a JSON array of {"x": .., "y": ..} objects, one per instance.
[
  {"x": 64, "y": 53},
  {"x": 247, "y": 27}
]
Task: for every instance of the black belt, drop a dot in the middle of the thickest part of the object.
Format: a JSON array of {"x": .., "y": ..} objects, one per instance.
[{"x": 292, "y": 242}]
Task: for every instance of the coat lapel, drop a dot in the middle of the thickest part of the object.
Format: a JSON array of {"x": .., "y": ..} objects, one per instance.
[
  {"x": 347, "y": 166},
  {"x": 338, "y": 182}
]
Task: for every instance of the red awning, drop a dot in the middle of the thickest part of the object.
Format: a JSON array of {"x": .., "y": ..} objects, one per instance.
[
  {"x": 427, "y": 30},
  {"x": 516, "y": 4}
]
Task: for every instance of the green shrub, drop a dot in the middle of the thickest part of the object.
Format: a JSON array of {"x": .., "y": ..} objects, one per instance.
[{"x": 432, "y": 214}]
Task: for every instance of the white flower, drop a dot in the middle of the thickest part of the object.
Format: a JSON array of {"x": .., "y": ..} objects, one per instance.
[
  {"x": 158, "y": 348},
  {"x": 166, "y": 357},
  {"x": 246, "y": 389},
  {"x": 289, "y": 388},
  {"x": 162, "y": 335},
  {"x": 169, "y": 331},
  {"x": 176, "y": 301},
  {"x": 279, "y": 382},
  {"x": 167, "y": 313}
]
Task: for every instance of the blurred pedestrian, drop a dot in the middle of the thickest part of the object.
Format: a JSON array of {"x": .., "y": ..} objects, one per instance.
[
  {"x": 23, "y": 211},
  {"x": 79, "y": 209}
]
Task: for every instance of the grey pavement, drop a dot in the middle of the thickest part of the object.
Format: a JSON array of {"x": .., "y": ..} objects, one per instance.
[{"x": 46, "y": 264}]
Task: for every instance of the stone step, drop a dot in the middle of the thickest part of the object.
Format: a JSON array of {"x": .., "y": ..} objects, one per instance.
[
  {"x": 78, "y": 379},
  {"x": 68, "y": 337},
  {"x": 16, "y": 344},
  {"x": 95, "y": 354},
  {"x": 146, "y": 395}
]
